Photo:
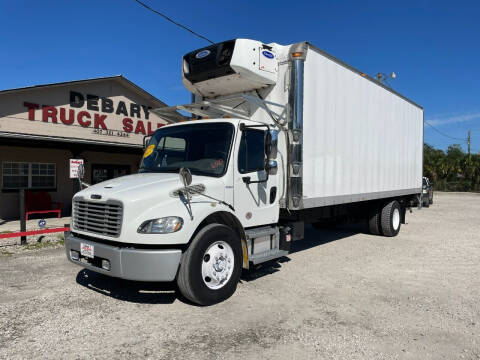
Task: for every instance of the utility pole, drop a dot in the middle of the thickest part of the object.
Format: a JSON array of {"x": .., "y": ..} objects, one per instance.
[{"x": 468, "y": 142}]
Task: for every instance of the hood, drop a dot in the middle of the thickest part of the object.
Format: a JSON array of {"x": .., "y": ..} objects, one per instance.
[{"x": 132, "y": 188}]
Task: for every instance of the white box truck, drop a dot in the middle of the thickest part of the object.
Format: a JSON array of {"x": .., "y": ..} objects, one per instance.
[{"x": 280, "y": 136}]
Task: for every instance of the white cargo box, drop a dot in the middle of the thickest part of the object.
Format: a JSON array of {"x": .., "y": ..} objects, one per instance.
[{"x": 361, "y": 140}]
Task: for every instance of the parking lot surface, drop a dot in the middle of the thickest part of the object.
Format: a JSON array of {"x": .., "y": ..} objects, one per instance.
[{"x": 342, "y": 294}]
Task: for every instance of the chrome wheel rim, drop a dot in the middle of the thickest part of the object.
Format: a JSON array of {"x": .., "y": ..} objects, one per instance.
[
  {"x": 217, "y": 265},
  {"x": 396, "y": 219}
]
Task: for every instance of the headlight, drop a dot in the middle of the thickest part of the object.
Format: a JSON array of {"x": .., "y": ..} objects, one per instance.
[{"x": 165, "y": 225}]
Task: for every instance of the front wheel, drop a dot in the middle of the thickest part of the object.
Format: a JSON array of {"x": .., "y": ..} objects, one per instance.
[{"x": 211, "y": 266}]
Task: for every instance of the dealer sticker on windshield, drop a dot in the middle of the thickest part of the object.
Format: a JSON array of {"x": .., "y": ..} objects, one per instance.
[
  {"x": 87, "y": 250},
  {"x": 149, "y": 150}
]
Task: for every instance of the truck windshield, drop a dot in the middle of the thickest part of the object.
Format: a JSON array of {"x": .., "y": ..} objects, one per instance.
[{"x": 201, "y": 147}]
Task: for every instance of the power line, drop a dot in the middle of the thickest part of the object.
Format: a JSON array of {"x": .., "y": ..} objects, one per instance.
[
  {"x": 441, "y": 133},
  {"x": 173, "y": 21}
]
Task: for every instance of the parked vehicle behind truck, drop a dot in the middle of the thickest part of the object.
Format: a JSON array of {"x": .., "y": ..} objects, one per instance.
[
  {"x": 427, "y": 192},
  {"x": 280, "y": 136}
]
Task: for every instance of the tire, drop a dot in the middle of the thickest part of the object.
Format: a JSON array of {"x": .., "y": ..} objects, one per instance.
[
  {"x": 197, "y": 268},
  {"x": 374, "y": 222},
  {"x": 426, "y": 202},
  {"x": 391, "y": 219},
  {"x": 430, "y": 200}
]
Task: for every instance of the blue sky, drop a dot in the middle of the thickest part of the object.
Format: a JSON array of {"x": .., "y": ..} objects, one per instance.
[{"x": 431, "y": 45}]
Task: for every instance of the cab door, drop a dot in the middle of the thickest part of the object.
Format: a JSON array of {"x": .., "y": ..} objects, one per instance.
[{"x": 256, "y": 197}]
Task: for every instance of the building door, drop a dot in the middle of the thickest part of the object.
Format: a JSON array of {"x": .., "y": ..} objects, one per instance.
[{"x": 103, "y": 172}]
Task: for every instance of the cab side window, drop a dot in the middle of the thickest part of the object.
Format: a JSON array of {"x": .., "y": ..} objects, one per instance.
[{"x": 251, "y": 154}]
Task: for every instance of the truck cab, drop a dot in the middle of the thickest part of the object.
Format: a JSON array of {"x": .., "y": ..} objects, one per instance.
[{"x": 140, "y": 226}]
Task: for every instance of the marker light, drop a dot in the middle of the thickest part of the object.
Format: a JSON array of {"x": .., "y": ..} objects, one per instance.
[
  {"x": 165, "y": 225},
  {"x": 297, "y": 54},
  {"x": 106, "y": 265},
  {"x": 186, "y": 68}
]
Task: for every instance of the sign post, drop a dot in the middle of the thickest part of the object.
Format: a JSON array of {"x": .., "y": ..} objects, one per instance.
[{"x": 23, "y": 223}]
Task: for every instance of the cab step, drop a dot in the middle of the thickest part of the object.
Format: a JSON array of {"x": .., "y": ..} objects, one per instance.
[{"x": 263, "y": 244}]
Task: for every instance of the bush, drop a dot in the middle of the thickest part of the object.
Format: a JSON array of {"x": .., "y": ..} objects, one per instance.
[{"x": 452, "y": 170}]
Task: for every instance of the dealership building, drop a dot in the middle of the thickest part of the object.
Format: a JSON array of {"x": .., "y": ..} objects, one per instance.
[{"x": 43, "y": 128}]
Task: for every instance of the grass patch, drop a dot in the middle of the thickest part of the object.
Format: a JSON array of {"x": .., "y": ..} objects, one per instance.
[
  {"x": 6, "y": 232},
  {"x": 42, "y": 245},
  {"x": 5, "y": 253}
]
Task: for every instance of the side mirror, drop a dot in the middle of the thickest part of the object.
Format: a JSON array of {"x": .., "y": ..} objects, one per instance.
[
  {"x": 80, "y": 175},
  {"x": 186, "y": 179},
  {"x": 80, "y": 172},
  {"x": 271, "y": 144},
  {"x": 146, "y": 140},
  {"x": 271, "y": 167},
  {"x": 185, "y": 176}
]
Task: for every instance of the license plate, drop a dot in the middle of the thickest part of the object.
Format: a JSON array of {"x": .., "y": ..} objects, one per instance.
[{"x": 87, "y": 250}]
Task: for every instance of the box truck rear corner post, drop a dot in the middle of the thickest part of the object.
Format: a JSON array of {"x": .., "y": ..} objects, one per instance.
[{"x": 280, "y": 136}]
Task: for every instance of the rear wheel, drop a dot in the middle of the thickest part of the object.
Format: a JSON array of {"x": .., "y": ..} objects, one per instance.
[
  {"x": 430, "y": 199},
  {"x": 211, "y": 266},
  {"x": 391, "y": 218},
  {"x": 374, "y": 221}
]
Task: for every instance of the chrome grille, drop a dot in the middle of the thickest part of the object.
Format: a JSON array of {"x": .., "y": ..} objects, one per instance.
[{"x": 97, "y": 217}]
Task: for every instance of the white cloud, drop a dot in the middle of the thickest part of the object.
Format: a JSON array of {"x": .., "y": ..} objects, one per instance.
[{"x": 458, "y": 118}]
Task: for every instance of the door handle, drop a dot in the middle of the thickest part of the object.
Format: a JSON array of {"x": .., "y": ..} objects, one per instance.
[{"x": 246, "y": 179}]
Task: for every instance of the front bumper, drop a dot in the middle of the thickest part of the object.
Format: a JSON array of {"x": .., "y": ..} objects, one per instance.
[{"x": 127, "y": 263}]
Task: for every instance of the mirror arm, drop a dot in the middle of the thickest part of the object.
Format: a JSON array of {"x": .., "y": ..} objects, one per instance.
[
  {"x": 246, "y": 179},
  {"x": 187, "y": 200},
  {"x": 145, "y": 141}
]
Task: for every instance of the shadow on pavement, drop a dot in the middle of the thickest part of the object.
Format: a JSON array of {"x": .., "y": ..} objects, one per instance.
[
  {"x": 167, "y": 293},
  {"x": 316, "y": 237},
  {"x": 313, "y": 237},
  {"x": 127, "y": 290}
]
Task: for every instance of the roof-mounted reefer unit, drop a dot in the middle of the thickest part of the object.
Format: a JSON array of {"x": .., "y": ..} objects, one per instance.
[{"x": 230, "y": 67}]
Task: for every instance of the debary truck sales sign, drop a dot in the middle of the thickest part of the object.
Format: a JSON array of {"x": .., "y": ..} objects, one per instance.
[{"x": 104, "y": 111}]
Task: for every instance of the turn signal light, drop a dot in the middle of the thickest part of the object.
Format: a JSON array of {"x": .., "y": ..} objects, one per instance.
[
  {"x": 74, "y": 255},
  {"x": 106, "y": 265},
  {"x": 297, "y": 54}
]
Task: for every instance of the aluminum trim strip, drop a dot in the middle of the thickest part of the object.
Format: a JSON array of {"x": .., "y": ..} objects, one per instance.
[{"x": 344, "y": 199}]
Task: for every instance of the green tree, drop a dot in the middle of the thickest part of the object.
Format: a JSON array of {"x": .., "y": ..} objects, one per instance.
[{"x": 452, "y": 170}]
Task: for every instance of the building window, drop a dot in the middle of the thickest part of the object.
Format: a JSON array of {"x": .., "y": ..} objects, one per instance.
[
  {"x": 103, "y": 172},
  {"x": 42, "y": 175},
  {"x": 23, "y": 175}
]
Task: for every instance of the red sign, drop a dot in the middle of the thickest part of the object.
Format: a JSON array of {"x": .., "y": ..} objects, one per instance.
[{"x": 96, "y": 114}]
